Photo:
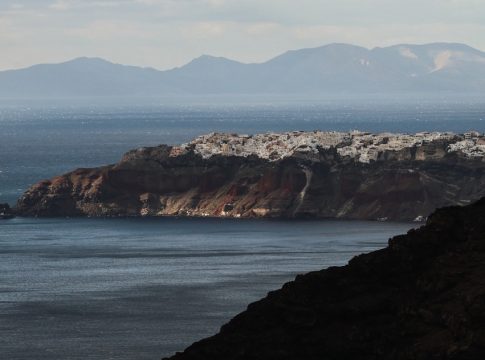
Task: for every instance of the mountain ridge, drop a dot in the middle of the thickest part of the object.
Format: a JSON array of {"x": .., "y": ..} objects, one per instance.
[{"x": 337, "y": 67}]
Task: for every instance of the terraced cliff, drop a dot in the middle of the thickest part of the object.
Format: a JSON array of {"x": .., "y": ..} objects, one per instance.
[
  {"x": 320, "y": 175},
  {"x": 422, "y": 297}
]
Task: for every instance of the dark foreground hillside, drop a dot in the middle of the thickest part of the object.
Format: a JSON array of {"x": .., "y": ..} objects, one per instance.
[{"x": 422, "y": 297}]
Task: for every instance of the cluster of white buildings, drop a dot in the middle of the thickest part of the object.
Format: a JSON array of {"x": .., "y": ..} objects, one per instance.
[
  {"x": 366, "y": 147},
  {"x": 272, "y": 146},
  {"x": 363, "y": 147},
  {"x": 472, "y": 145}
]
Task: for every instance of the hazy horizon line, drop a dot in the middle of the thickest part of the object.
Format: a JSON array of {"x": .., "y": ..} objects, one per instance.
[{"x": 94, "y": 57}]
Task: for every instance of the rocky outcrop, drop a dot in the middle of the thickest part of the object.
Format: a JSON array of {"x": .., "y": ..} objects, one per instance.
[
  {"x": 422, "y": 297},
  {"x": 311, "y": 179},
  {"x": 5, "y": 212}
]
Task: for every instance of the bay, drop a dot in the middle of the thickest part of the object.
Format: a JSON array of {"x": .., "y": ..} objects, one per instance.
[{"x": 145, "y": 288}]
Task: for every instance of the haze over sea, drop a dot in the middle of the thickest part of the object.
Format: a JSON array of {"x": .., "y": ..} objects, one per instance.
[{"x": 143, "y": 288}]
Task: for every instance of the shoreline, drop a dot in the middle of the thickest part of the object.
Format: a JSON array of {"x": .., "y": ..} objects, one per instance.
[{"x": 222, "y": 218}]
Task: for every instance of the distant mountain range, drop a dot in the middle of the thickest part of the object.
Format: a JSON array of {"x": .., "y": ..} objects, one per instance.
[{"x": 335, "y": 68}]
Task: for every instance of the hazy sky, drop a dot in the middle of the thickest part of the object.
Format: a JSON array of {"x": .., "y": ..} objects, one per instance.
[{"x": 168, "y": 33}]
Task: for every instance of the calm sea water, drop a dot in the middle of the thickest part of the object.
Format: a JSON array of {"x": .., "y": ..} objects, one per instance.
[{"x": 145, "y": 288}]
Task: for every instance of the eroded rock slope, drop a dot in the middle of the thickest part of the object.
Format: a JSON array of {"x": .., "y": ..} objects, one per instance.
[{"x": 322, "y": 175}]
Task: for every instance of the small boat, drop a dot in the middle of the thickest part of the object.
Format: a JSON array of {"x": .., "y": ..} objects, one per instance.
[
  {"x": 6, "y": 216},
  {"x": 5, "y": 212}
]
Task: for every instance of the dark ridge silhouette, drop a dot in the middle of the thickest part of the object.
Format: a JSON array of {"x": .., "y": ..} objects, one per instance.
[{"x": 422, "y": 297}]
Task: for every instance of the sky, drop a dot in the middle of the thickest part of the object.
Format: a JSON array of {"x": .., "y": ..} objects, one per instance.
[{"x": 167, "y": 33}]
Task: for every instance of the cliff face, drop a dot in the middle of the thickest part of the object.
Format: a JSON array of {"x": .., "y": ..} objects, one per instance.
[
  {"x": 399, "y": 184},
  {"x": 422, "y": 297}
]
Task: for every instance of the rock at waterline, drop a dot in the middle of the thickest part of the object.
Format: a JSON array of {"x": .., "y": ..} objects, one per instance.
[{"x": 5, "y": 212}]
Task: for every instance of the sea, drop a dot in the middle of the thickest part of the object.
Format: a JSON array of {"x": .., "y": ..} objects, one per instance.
[{"x": 145, "y": 288}]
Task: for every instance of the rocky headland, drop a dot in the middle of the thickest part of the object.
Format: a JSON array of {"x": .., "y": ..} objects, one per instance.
[
  {"x": 353, "y": 175},
  {"x": 422, "y": 297}
]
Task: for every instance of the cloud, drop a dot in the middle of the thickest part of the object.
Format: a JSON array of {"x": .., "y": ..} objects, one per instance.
[
  {"x": 205, "y": 29},
  {"x": 61, "y": 5},
  {"x": 262, "y": 28},
  {"x": 65, "y": 5},
  {"x": 16, "y": 6},
  {"x": 106, "y": 30}
]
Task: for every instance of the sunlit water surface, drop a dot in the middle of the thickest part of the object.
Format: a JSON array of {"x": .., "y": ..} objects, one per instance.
[{"x": 144, "y": 288}]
